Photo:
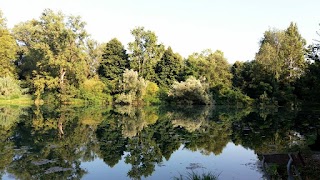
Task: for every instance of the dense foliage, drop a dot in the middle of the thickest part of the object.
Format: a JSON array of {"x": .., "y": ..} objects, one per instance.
[
  {"x": 191, "y": 91},
  {"x": 55, "y": 58},
  {"x": 8, "y": 49}
]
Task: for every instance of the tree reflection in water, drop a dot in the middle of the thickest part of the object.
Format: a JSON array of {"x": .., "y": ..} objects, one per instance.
[{"x": 52, "y": 142}]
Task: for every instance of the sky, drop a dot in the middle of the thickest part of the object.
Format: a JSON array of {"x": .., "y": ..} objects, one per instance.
[{"x": 233, "y": 26}]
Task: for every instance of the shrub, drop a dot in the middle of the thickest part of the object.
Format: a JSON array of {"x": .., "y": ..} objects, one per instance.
[
  {"x": 93, "y": 85},
  {"x": 133, "y": 88},
  {"x": 124, "y": 99},
  {"x": 91, "y": 90},
  {"x": 231, "y": 97},
  {"x": 10, "y": 88},
  {"x": 191, "y": 91},
  {"x": 152, "y": 93}
]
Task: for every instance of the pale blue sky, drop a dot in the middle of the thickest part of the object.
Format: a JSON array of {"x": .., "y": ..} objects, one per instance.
[{"x": 233, "y": 26}]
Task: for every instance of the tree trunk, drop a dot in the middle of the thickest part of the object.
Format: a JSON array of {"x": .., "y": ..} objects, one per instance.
[{"x": 61, "y": 83}]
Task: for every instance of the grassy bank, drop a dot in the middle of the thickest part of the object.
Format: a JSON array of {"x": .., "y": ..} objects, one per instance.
[{"x": 23, "y": 100}]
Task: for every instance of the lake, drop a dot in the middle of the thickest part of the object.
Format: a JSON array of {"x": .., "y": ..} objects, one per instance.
[{"x": 154, "y": 142}]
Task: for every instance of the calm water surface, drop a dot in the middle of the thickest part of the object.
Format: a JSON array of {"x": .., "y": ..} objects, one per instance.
[
  {"x": 235, "y": 162},
  {"x": 147, "y": 143}
]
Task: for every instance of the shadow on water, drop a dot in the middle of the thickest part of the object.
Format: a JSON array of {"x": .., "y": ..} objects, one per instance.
[{"x": 52, "y": 142}]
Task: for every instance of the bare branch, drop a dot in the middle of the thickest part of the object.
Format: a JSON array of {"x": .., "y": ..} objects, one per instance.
[{"x": 316, "y": 40}]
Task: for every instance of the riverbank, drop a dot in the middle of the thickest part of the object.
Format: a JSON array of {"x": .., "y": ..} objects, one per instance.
[{"x": 23, "y": 100}]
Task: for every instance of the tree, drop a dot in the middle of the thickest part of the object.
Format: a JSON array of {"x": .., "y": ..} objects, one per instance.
[
  {"x": 294, "y": 53},
  {"x": 168, "y": 69},
  {"x": 269, "y": 52},
  {"x": 282, "y": 53},
  {"x": 56, "y": 49},
  {"x": 307, "y": 87},
  {"x": 94, "y": 56},
  {"x": 145, "y": 52},
  {"x": 8, "y": 50},
  {"x": 114, "y": 60},
  {"x": 279, "y": 62},
  {"x": 238, "y": 76},
  {"x": 251, "y": 79},
  {"x": 212, "y": 66}
]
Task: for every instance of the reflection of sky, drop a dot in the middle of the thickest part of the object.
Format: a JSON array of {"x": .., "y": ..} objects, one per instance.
[
  {"x": 235, "y": 162},
  {"x": 97, "y": 169}
]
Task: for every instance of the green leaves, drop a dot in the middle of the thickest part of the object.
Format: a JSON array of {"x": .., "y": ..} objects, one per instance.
[
  {"x": 114, "y": 60},
  {"x": 133, "y": 88},
  {"x": 8, "y": 50},
  {"x": 9, "y": 88},
  {"x": 191, "y": 91},
  {"x": 280, "y": 62},
  {"x": 56, "y": 57},
  {"x": 145, "y": 52},
  {"x": 169, "y": 68},
  {"x": 54, "y": 46},
  {"x": 211, "y": 66},
  {"x": 282, "y": 53}
]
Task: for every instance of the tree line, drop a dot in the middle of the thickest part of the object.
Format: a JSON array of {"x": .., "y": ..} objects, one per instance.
[{"x": 55, "y": 60}]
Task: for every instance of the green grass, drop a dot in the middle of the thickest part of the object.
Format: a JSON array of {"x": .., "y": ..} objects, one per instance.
[
  {"x": 23, "y": 100},
  {"x": 194, "y": 176}
]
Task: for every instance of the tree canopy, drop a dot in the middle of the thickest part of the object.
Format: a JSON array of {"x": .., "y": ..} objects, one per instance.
[
  {"x": 8, "y": 50},
  {"x": 56, "y": 59},
  {"x": 55, "y": 47},
  {"x": 145, "y": 52}
]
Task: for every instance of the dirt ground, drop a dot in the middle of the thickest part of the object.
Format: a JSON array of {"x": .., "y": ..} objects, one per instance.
[
  {"x": 307, "y": 164},
  {"x": 311, "y": 170}
]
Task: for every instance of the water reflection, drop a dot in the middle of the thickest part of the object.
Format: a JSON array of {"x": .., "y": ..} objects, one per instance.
[{"x": 53, "y": 142}]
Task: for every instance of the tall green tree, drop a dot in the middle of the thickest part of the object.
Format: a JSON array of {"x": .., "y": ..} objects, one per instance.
[
  {"x": 278, "y": 64},
  {"x": 211, "y": 66},
  {"x": 55, "y": 47},
  {"x": 250, "y": 77},
  {"x": 114, "y": 60},
  {"x": 145, "y": 52},
  {"x": 168, "y": 69},
  {"x": 269, "y": 55},
  {"x": 94, "y": 56},
  {"x": 294, "y": 53},
  {"x": 307, "y": 88},
  {"x": 282, "y": 53},
  {"x": 8, "y": 50}
]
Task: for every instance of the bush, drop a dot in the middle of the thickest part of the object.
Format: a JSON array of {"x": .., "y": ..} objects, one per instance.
[
  {"x": 133, "y": 88},
  {"x": 152, "y": 93},
  {"x": 231, "y": 97},
  {"x": 10, "y": 88},
  {"x": 124, "y": 99},
  {"x": 92, "y": 91},
  {"x": 191, "y": 91},
  {"x": 93, "y": 85}
]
